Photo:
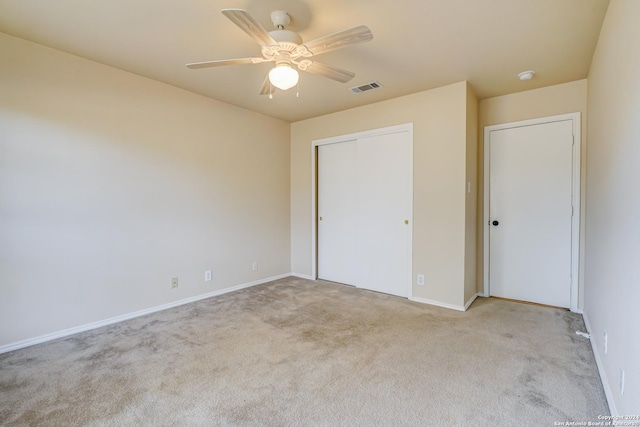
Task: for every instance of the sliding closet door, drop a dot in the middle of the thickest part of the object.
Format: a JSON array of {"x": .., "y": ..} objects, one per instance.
[
  {"x": 337, "y": 212},
  {"x": 364, "y": 204},
  {"x": 383, "y": 205}
]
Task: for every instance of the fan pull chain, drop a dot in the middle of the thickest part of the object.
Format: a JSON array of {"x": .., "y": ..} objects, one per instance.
[
  {"x": 298, "y": 89},
  {"x": 270, "y": 90}
]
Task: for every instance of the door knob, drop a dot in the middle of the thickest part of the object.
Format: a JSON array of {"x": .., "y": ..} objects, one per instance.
[
  {"x": 495, "y": 223},
  {"x": 320, "y": 218}
]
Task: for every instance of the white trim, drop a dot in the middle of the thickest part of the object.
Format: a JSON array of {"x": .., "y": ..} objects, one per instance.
[
  {"x": 77, "y": 329},
  {"x": 364, "y": 134},
  {"x": 314, "y": 211},
  {"x": 410, "y": 214},
  {"x": 302, "y": 276},
  {"x": 446, "y": 305},
  {"x": 438, "y": 303},
  {"x": 575, "y": 221},
  {"x": 471, "y": 300},
  {"x": 407, "y": 127},
  {"x": 603, "y": 375}
]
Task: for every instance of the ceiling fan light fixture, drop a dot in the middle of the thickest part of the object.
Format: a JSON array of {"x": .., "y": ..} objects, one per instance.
[{"x": 283, "y": 76}]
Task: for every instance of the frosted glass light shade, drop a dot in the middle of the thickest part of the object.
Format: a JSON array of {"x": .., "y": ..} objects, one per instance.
[{"x": 283, "y": 77}]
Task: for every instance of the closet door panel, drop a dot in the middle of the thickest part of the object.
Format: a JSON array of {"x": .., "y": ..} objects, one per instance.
[
  {"x": 337, "y": 212},
  {"x": 382, "y": 209}
]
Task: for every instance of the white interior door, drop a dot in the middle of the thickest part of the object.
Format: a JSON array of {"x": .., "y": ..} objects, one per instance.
[
  {"x": 364, "y": 202},
  {"x": 383, "y": 203},
  {"x": 530, "y": 213},
  {"x": 337, "y": 212}
]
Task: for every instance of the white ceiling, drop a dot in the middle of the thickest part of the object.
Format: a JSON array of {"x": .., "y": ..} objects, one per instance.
[{"x": 417, "y": 44}]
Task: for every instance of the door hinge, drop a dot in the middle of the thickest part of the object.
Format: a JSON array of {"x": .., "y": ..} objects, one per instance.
[{"x": 571, "y": 210}]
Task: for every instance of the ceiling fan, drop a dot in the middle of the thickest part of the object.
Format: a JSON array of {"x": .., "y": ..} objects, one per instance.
[{"x": 286, "y": 49}]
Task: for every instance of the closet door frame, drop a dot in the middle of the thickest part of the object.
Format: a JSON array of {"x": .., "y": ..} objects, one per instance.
[{"x": 407, "y": 127}]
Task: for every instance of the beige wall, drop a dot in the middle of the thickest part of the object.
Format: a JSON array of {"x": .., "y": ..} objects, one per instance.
[
  {"x": 110, "y": 184},
  {"x": 548, "y": 101},
  {"x": 612, "y": 288},
  {"x": 439, "y": 120}
]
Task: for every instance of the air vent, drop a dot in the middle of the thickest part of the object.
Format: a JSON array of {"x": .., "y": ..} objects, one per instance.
[{"x": 365, "y": 87}]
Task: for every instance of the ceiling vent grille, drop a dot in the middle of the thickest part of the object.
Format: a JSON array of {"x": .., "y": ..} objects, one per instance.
[{"x": 365, "y": 87}]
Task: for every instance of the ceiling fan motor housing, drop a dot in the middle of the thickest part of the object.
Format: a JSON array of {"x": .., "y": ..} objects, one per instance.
[
  {"x": 286, "y": 37},
  {"x": 287, "y": 40}
]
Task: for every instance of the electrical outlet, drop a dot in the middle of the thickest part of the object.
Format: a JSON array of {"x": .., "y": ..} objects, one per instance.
[
  {"x": 621, "y": 382},
  {"x": 420, "y": 279},
  {"x": 605, "y": 342},
  {"x": 254, "y": 266},
  {"x": 174, "y": 282},
  {"x": 207, "y": 275}
]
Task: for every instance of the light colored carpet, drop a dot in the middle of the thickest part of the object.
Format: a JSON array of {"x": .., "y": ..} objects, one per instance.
[{"x": 297, "y": 352}]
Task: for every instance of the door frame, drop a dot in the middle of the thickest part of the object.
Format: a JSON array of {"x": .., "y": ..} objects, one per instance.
[
  {"x": 575, "y": 196},
  {"x": 407, "y": 127}
]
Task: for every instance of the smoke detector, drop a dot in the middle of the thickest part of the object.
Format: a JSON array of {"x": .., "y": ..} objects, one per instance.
[{"x": 526, "y": 75}]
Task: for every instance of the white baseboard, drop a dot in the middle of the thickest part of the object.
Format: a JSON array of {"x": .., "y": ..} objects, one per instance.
[
  {"x": 446, "y": 305},
  {"x": 603, "y": 376},
  {"x": 302, "y": 276},
  {"x": 66, "y": 332},
  {"x": 438, "y": 303},
  {"x": 471, "y": 300}
]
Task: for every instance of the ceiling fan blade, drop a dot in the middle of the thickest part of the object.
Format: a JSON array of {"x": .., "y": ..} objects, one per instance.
[
  {"x": 267, "y": 88},
  {"x": 208, "y": 64},
  {"x": 335, "y": 41},
  {"x": 250, "y": 26},
  {"x": 328, "y": 71}
]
